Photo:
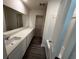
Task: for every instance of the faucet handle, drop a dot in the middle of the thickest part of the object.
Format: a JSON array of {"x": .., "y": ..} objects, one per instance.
[{"x": 5, "y": 37}]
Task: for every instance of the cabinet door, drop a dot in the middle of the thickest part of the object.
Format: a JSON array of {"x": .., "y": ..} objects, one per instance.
[
  {"x": 24, "y": 47},
  {"x": 17, "y": 53},
  {"x": 29, "y": 38},
  {"x": 27, "y": 41}
]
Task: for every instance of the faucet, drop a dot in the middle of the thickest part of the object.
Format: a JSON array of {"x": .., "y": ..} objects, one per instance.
[{"x": 6, "y": 37}]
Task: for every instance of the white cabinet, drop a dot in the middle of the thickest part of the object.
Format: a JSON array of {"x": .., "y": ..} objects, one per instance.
[
  {"x": 20, "y": 50},
  {"x": 27, "y": 41},
  {"x": 29, "y": 38},
  {"x": 16, "y": 53},
  {"x": 24, "y": 46}
]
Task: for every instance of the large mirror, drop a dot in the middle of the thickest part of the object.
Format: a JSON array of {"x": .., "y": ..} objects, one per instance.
[{"x": 13, "y": 19}]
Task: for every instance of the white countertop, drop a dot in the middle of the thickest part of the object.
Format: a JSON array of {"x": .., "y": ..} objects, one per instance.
[
  {"x": 23, "y": 34},
  {"x": 11, "y": 32}
]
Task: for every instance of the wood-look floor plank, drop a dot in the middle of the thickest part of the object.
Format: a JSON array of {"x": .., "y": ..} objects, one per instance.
[{"x": 35, "y": 51}]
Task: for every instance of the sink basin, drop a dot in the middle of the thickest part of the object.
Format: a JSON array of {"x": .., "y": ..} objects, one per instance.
[
  {"x": 12, "y": 43},
  {"x": 7, "y": 42},
  {"x": 12, "y": 40},
  {"x": 15, "y": 38}
]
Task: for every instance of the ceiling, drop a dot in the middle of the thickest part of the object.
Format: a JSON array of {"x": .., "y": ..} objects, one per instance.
[{"x": 35, "y": 4}]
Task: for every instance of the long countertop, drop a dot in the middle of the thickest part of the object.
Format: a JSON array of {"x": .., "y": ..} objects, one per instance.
[
  {"x": 23, "y": 34},
  {"x": 11, "y": 32}
]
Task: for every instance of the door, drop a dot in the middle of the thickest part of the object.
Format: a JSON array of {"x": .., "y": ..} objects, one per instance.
[{"x": 39, "y": 25}]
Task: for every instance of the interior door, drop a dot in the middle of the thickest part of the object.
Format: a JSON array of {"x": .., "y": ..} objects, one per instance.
[{"x": 39, "y": 25}]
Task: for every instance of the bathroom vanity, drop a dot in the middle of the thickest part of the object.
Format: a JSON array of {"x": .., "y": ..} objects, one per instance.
[{"x": 17, "y": 44}]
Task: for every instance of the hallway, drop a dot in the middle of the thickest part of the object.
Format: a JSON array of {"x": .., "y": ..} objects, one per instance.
[
  {"x": 39, "y": 29},
  {"x": 35, "y": 51}
]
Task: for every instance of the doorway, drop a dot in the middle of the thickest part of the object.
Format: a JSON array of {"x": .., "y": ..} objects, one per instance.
[{"x": 39, "y": 25}]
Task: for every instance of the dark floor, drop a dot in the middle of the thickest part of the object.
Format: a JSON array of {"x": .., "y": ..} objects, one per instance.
[{"x": 35, "y": 51}]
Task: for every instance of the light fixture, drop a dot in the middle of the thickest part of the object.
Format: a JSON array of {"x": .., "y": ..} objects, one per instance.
[{"x": 25, "y": 0}]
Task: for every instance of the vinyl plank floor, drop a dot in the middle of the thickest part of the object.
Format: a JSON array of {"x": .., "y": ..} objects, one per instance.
[{"x": 35, "y": 51}]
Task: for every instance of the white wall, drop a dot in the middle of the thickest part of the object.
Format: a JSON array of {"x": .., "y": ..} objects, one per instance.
[
  {"x": 64, "y": 16},
  {"x": 73, "y": 53},
  {"x": 70, "y": 41},
  {"x": 74, "y": 15},
  {"x": 51, "y": 14},
  {"x": 16, "y": 5},
  {"x": 54, "y": 26},
  {"x": 67, "y": 35},
  {"x": 32, "y": 16},
  {"x": 25, "y": 20},
  {"x": 4, "y": 24}
]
